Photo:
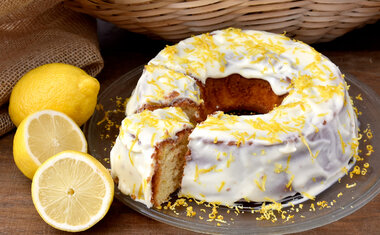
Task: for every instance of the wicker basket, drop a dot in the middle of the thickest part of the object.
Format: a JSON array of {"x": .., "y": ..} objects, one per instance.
[{"x": 310, "y": 21}]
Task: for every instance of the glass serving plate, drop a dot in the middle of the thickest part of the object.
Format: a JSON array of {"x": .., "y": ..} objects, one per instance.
[{"x": 340, "y": 200}]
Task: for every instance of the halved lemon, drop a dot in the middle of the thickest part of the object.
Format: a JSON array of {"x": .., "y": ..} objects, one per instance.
[
  {"x": 72, "y": 191},
  {"x": 42, "y": 135}
]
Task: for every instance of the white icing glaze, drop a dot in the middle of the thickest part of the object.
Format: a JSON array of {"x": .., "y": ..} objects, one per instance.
[
  {"x": 246, "y": 157},
  {"x": 259, "y": 170},
  {"x": 247, "y": 53},
  {"x": 156, "y": 86},
  {"x": 131, "y": 156},
  {"x": 303, "y": 145}
]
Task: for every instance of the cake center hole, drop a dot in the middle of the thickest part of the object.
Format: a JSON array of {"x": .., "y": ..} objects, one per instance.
[{"x": 238, "y": 95}]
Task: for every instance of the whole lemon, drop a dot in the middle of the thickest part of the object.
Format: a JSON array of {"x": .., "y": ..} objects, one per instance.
[{"x": 56, "y": 86}]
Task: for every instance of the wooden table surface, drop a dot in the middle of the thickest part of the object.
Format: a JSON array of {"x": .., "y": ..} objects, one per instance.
[{"x": 357, "y": 53}]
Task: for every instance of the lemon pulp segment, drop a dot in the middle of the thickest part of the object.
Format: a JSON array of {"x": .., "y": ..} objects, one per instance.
[
  {"x": 72, "y": 191},
  {"x": 49, "y": 135},
  {"x": 42, "y": 135}
]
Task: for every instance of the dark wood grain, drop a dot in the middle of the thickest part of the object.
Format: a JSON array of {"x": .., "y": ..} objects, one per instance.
[{"x": 357, "y": 53}]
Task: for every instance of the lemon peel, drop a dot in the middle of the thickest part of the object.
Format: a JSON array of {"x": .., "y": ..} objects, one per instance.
[{"x": 56, "y": 86}]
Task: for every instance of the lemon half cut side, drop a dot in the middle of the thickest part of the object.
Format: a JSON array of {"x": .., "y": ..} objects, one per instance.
[
  {"x": 42, "y": 135},
  {"x": 72, "y": 191}
]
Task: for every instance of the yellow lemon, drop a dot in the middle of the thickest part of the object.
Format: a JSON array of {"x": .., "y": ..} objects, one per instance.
[
  {"x": 42, "y": 135},
  {"x": 60, "y": 87},
  {"x": 72, "y": 191}
]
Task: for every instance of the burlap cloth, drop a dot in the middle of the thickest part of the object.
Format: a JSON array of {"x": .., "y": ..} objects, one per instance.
[{"x": 37, "y": 32}]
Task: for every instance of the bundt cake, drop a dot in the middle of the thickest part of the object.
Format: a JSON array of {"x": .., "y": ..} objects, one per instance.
[{"x": 297, "y": 133}]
